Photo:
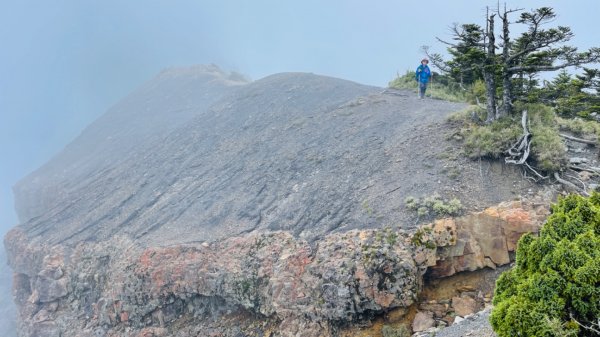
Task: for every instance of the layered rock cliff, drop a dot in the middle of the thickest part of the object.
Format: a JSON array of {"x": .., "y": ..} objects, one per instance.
[
  {"x": 203, "y": 204},
  {"x": 270, "y": 281}
]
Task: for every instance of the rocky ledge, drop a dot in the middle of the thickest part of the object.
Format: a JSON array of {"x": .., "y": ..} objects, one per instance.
[{"x": 268, "y": 284}]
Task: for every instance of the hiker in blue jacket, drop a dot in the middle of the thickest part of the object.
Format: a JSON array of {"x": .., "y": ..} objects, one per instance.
[{"x": 422, "y": 76}]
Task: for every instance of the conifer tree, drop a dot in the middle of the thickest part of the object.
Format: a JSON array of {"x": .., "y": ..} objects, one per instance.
[{"x": 539, "y": 49}]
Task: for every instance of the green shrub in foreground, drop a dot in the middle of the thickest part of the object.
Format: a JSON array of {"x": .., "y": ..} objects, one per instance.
[{"x": 555, "y": 285}]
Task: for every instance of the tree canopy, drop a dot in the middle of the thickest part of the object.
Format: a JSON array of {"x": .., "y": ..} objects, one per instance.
[{"x": 504, "y": 62}]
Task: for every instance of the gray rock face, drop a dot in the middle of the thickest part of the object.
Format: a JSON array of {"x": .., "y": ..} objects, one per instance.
[
  {"x": 143, "y": 118},
  {"x": 192, "y": 156},
  {"x": 119, "y": 287},
  {"x": 8, "y": 313}
]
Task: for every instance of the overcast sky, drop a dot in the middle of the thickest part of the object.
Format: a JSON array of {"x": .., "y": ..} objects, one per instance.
[{"x": 64, "y": 62}]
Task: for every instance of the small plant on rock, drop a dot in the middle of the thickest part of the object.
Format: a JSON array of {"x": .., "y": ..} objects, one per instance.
[
  {"x": 434, "y": 204},
  {"x": 422, "y": 238},
  {"x": 400, "y": 331}
]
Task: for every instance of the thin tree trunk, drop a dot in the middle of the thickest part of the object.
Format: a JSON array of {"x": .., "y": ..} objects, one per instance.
[
  {"x": 490, "y": 93},
  {"x": 506, "y": 95},
  {"x": 489, "y": 71},
  {"x": 507, "y": 98}
]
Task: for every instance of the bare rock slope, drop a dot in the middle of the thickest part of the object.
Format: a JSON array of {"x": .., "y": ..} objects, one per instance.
[
  {"x": 205, "y": 194},
  {"x": 191, "y": 157}
]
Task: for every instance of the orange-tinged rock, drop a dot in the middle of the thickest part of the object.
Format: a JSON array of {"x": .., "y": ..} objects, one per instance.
[
  {"x": 464, "y": 306},
  {"x": 383, "y": 298},
  {"x": 445, "y": 233},
  {"x": 423, "y": 321}
]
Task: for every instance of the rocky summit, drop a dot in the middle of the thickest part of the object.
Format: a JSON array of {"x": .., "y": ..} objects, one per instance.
[{"x": 204, "y": 204}]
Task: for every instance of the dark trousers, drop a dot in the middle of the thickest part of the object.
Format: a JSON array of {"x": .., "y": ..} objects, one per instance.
[{"x": 422, "y": 88}]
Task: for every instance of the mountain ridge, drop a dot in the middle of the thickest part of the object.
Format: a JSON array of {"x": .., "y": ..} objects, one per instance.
[{"x": 193, "y": 166}]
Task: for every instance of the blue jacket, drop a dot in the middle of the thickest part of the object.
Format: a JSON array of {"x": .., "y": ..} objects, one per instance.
[{"x": 422, "y": 74}]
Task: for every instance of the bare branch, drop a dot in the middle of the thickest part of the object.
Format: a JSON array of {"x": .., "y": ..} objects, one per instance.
[
  {"x": 436, "y": 60},
  {"x": 570, "y": 184},
  {"x": 446, "y": 42},
  {"x": 591, "y": 328},
  {"x": 582, "y": 168},
  {"x": 579, "y": 140},
  {"x": 505, "y": 13},
  {"x": 580, "y": 181},
  {"x": 535, "y": 69}
]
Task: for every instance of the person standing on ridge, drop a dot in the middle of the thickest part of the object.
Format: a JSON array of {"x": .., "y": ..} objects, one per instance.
[{"x": 422, "y": 76}]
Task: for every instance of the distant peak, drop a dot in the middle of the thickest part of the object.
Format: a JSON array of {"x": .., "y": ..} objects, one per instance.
[{"x": 202, "y": 70}]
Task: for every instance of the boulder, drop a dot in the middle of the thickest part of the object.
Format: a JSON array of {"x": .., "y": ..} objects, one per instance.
[
  {"x": 464, "y": 306},
  {"x": 423, "y": 320},
  {"x": 482, "y": 239}
]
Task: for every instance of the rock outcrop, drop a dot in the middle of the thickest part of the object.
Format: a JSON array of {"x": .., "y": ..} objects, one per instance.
[
  {"x": 118, "y": 285},
  {"x": 304, "y": 289},
  {"x": 481, "y": 239}
]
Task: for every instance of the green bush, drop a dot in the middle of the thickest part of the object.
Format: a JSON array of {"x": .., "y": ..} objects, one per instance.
[
  {"x": 440, "y": 87},
  {"x": 478, "y": 92},
  {"x": 554, "y": 287},
  {"x": 548, "y": 149},
  {"x": 491, "y": 141},
  {"x": 582, "y": 128}
]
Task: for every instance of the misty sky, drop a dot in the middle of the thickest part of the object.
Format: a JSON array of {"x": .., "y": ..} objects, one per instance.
[{"x": 63, "y": 63}]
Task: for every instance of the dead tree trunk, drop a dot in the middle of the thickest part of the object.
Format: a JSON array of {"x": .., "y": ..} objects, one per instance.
[
  {"x": 489, "y": 71},
  {"x": 507, "y": 99}
]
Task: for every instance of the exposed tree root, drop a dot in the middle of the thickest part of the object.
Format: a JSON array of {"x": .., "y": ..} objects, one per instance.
[
  {"x": 519, "y": 152},
  {"x": 579, "y": 140},
  {"x": 591, "y": 169},
  {"x": 570, "y": 185}
]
